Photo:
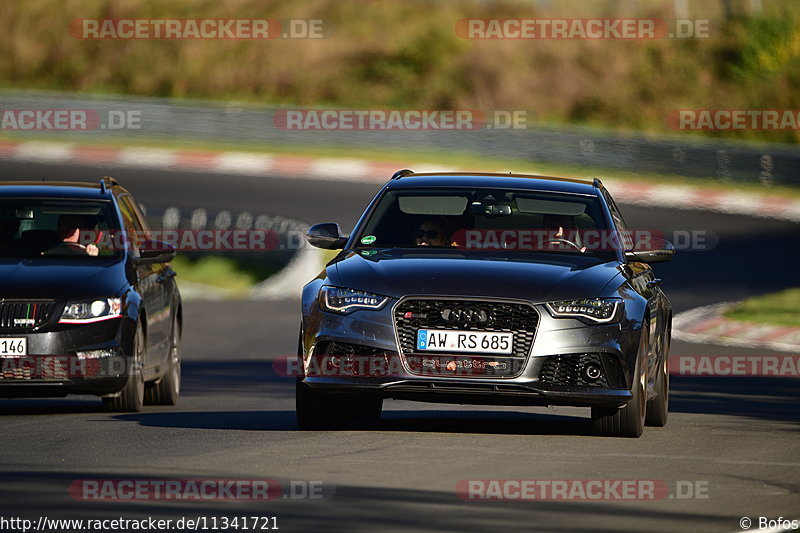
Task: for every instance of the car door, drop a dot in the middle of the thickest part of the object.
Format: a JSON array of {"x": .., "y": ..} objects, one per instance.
[
  {"x": 151, "y": 285},
  {"x": 644, "y": 281}
]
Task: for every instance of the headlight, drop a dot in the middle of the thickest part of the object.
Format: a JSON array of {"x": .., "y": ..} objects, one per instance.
[
  {"x": 591, "y": 309},
  {"x": 91, "y": 311},
  {"x": 342, "y": 300}
]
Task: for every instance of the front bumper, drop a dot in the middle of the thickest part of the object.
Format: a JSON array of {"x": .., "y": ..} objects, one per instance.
[
  {"x": 551, "y": 373},
  {"x": 53, "y": 368},
  {"x": 475, "y": 392}
]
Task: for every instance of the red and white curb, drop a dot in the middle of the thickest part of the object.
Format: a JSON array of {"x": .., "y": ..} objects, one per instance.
[
  {"x": 706, "y": 325},
  {"x": 358, "y": 170}
]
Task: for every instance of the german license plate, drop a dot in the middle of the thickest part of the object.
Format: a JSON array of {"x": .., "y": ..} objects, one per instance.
[
  {"x": 449, "y": 340},
  {"x": 13, "y": 346}
]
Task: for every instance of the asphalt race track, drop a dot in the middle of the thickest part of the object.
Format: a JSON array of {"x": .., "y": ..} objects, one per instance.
[{"x": 731, "y": 441}]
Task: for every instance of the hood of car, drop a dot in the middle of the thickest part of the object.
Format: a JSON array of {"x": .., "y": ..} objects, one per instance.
[
  {"x": 22, "y": 279},
  {"x": 539, "y": 277}
]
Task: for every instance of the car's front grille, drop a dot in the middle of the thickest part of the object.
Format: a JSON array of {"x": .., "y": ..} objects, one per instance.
[
  {"x": 412, "y": 315},
  {"x": 24, "y": 315},
  {"x": 576, "y": 371}
]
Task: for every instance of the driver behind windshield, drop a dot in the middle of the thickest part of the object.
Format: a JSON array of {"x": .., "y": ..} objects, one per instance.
[
  {"x": 565, "y": 229},
  {"x": 69, "y": 231},
  {"x": 431, "y": 232}
]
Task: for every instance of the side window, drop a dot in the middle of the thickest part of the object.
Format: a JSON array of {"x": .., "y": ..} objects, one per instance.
[
  {"x": 131, "y": 221},
  {"x": 619, "y": 222},
  {"x": 129, "y": 216},
  {"x": 139, "y": 214}
]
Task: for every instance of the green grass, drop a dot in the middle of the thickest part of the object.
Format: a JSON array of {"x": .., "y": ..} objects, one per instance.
[
  {"x": 779, "y": 308},
  {"x": 234, "y": 276}
]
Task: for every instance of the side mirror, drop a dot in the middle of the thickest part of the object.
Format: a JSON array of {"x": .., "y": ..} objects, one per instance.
[
  {"x": 651, "y": 252},
  {"x": 156, "y": 252},
  {"x": 327, "y": 236}
]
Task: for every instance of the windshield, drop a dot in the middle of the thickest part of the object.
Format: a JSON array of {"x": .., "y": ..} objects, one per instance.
[
  {"x": 489, "y": 219},
  {"x": 71, "y": 229}
]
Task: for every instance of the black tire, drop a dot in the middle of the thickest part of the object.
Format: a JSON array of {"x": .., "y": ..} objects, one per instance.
[
  {"x": 317, "y": 411},
  {"x": 167, "y": 390},
  {"x": 365, "y": 411},
  {"x": 658, "y": 407},
  {"x": 131, "y": 398},
  {"x": 628, "y": 421}
]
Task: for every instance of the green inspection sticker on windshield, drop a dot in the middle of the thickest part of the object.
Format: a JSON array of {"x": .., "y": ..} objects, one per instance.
[{"x": 369, "y": 239}]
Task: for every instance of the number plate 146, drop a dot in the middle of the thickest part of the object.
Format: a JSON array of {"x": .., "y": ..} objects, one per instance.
[{"x": 13, "y": 346}]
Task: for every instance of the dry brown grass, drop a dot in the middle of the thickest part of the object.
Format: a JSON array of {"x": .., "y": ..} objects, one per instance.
[{"x": 386, "y": 53}]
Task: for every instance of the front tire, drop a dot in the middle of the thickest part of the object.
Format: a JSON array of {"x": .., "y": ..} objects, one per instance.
[
  {"x": 317, "y": 411},
  {"x": 365, "y": 412},
  {"x": 168, "y": 389},
  {"x": 131, "y": 397},
  {"x": 658, "y": 407},
  {"x": 628, "y": 421}
]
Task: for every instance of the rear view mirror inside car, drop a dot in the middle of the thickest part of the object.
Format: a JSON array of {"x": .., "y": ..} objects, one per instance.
[{"x": 492, "y": 210}]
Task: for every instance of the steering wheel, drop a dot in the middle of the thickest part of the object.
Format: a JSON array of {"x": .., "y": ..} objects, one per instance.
[
  {"x": 75, "y": 245},
  {"x": 551, "y": 241}
]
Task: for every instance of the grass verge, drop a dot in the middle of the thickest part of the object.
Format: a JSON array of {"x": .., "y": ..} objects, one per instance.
[
  {"x": 778, "y": 309},
  {"x": 232, "y": 276}
]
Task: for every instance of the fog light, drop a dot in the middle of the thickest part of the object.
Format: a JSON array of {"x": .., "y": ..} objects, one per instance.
[
  {"x": 96, "y": 354},
  {"x": 592, "y": 372}
]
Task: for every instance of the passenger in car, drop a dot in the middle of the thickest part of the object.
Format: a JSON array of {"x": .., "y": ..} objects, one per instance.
[{"x": 8, "y": 232}]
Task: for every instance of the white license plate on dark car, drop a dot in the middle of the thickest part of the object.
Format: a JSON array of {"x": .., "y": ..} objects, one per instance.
[
  {"x": 13, "y": 346},
  {"x": 449, "y": 340}
]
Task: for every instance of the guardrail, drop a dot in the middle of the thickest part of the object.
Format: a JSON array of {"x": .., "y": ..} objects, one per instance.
[{"x": 253, "y": 125}]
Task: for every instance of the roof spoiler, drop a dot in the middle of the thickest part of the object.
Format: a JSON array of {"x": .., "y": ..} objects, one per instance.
[{"x": 400, "y": 173}]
